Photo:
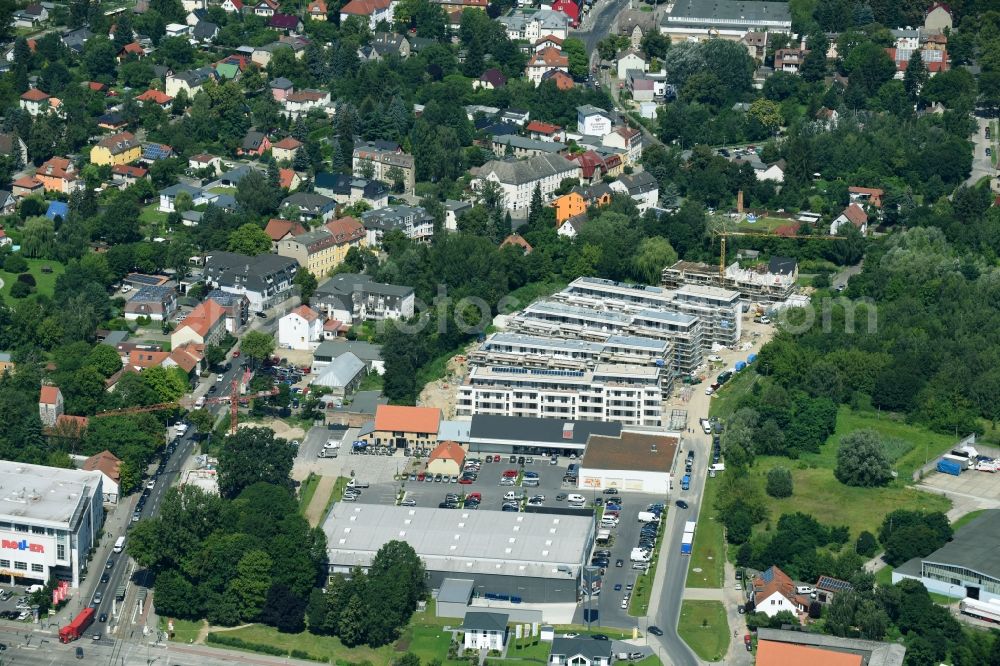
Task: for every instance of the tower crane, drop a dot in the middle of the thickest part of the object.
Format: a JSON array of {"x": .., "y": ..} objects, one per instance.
[{"x": 234, "y": 399}]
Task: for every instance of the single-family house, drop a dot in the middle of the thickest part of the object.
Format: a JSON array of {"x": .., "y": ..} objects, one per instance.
[
  {"x": 190, "y": 81},
  {"x": 545, "y": 131},
  {"x": 254, "y": 143},
  {"x": 205, "y": 161},
  {"x": 168, "y": 196},
  {"x": 289, "y": 179},
  {"x": 301, "y": 102},
  {"x": 571, "y": 227},
  {"x": 316, "y": 10},
  {"x": 300, "y": 329},
  {"x": 8, "y": 204},
  {"x": 491, "y": 79},
  {"x": 483, "y": 630},
  {"x": 284, "y": 150},
  {"x": 281, "y": 88},
  {"x": 109, "y": 466},
  {"x": 774, "y": 173},
  {"x": 628, "y": 140},
  {"x": 287, "y": 23},
  {"x": 772, "y": 592},
  {"x": 36, "y": 102},
  {"x": 374, "y": 11},
  {"x": 311, "y": 206},
  {"x": 157, "y": 302},
  {"x": 279, "y": 230},
  {"x": 157, "y": 97},
  {"x": 116, "y": 149},
  {"x": 12, "y": 145},
  {"x": 31, "y": 16},
  {"x": 629, "y": 59},
  {"x": 580, "y": 651},
  {"x": 642, "y": 186},
  {"x": 59, "y": 174},
  {"x": 938, "y": 18},
  {"x": 230, "y": 6},
  {"x": 205, "y": 31},
  {"x": 25, "y": 186},
  {"x": 870, "y": 196},
  {"x": 560, "y": 79},
  {"x": 853, "y": 214},
  {"x": 50, "y": 405},
  {"x": 545, "y": 61},
  {"x": 517, "y": 240},
  {"x": 828, "y": 587}
]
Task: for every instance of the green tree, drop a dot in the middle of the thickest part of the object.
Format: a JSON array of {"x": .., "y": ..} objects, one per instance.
[
  {"x": 203, "y": 420},
  {"x": 352, "y": 627},
  {"x": 779, "y": 482},
  {"x": 869, "y": 66},
  {"x": 250, "y": 240},
  {"x": 866, "y": 544},
  {"x": 306, "y": 283},
  {"x": 577, "y": 54},
  {"x": 652, "y": 256},
  {"x": 861, "y": 460},
  {"x": 38, "y": 237},
  {"x": 915, "y": 76},
  {"x": 252, "y": 455},
  {"x": 256, "y": 195},
  {"x": 814, "y": 66},
  {"x": 257, "y": 345},
  {"x": 169, "y": 384},
  {"x": 253, "y": 580},
  {"x": 767, "y": 113}
]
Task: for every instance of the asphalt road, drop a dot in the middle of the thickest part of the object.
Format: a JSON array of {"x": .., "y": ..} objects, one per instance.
[
  {"x": 981, "y": 163},
  {"x": 599, "y": 22}
]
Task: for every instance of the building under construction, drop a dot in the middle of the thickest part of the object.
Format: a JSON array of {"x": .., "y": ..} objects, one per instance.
[{"x": 769, "y": 284}]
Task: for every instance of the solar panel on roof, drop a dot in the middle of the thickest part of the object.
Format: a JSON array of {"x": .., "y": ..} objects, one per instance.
[
  {"x": 768, "y": 575},
  {"x": 833, "y": 584},
  {"x": 137, "y": 278},
  {"x": 155, "y": 151}
]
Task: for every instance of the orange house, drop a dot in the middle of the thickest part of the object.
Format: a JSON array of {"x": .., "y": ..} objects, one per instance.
[{"x": 569, "y": 205}]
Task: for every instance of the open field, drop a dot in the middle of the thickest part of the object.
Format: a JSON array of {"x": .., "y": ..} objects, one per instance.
[
  {"x": 704, "y": 628},
  {"x": 45, "y": 283},
  {"x": 328, "y": 648}
]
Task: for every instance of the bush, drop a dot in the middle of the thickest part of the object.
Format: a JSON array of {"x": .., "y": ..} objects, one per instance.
[
  {"x": 27, "y": 278},
  {"x": 861, "y": 460},
  {"x": 866, "y": 544},
  {"x": 20, "y": 290},
  {"x": 232, "y": 641},
  {"x": 821, "y": 281},
  {"x": 15, "y": 263},
  {"x": 779, "y": 482}
]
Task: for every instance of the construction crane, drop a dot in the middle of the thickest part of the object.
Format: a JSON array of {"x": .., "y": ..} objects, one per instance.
[
  {"x": 234, "y": 399},
  {"x": 723, "y": 234}
]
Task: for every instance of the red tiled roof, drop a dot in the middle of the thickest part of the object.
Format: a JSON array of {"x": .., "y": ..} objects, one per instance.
[
  {"x": 129, "y": 171},
  {"x": 35, "y": 95},
  {"x": 143, "y": 358},
  {"x": 203, "y": 317},
  {"x": 134, "y": 47},
  {"x": 277, "y": 228},
  {"x": 285, "y": 177},
  {"x": 549, "y": 38},
  {"x": 856, "y": 215},
  {"x": 187, "y": 357},
  {"x": 364, "y": 7},
  {"x": 448, "y": 451},
  {"x": 316, "y": 7},
  {"x": 97, "y": 86},
  {"x": 542, "y": 128},
  {"x": 105, "y": 462},
  {"x": 562, "y": 80},
  {"x": 50, "y": 395},
  {"x": 567, "y": 7},
  {"x": 516, "y": 240},
  {"x": 345, "y": 229},
  {"x": 155, "y": 96},
  {"x": 27, "y": 182},
  {"x": 393, "y": 418},
  {"x": 550, "y": 57},
  {"x": 306, "y": 313},
  {"x": 334, "y": 325},
  {"x": 288, "y": 143},
  {"x": 774, "y": 653}
]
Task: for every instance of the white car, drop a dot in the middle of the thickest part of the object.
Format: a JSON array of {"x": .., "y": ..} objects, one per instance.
[
  {"x": 709, "y": 390},
  {"x": 218, "y": 379},
  {"x": 715, "y": 358},
  {"x": 151, "y": 484},
  {"x": 408, "y": 502}
]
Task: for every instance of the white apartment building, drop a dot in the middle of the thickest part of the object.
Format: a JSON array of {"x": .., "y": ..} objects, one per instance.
[
  {"x": 505, "y": 348},
  {"x": 518, "y": 179},
  {"x": 628, "y": 394},
  {"x": 50, "y": 519}
]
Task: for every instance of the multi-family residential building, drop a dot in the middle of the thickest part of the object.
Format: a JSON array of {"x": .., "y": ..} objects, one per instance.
[
  {"x": 190, "y": 82},
  {"x": 388, "y": 163},
  {"x": 345, "y": 189},
  {"x": 325, "y": 247},
  {"x": 413, "y": 221},
  {"x": 351, "y": 297},
  {"x": 205, "y": 325},
  {"x": 512, "y": 145},
  {"x": 374, "y": 11},
  {"x": 642, "y": 186},
  {"x": 311, "y": 206},
  {"x": 530, "y": 26},
  {"x": 628, "y": 394},
  {"x": 518, "y": 179},
  {"x": 545, "y": 61},
  {"x": 59, "y": 174},
  {"x": 518, "y": 349},
  {"x": 592, "y": 121},
  {"x": 789, "y": 60},
  {"x": 265, "y": 279},
  {"x": 158, "y": 302},
  {"x": 770, "y": 283},
  {"x": 628, "y": 140},
  {"x": 116, "y": 149},
  {"x": 301, "y": 102}
]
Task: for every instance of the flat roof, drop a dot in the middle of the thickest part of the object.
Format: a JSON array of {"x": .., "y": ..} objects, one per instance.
[
  {"x": 732, "y": 12},
  {"x": 707, "y": 290},
  {"x": 975, "y": 546},
  {"x": 539, "y": 545},
  {"x": 455, "y": 591},
  {"x": 648, "y": 452},
  {"x": 41, "y": 495},
  {"x": 529, "y": 429}
]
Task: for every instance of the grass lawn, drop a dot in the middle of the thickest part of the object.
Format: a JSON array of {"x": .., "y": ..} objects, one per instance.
[
  {"x": 533, "y": 650},
  {"x": 151, "y": 214},
  {"x": 338, "y": 492},
  {"x": 858, "y": 508},
  {"x": 704, "y": 628},
  {"x": 426, "y": 641},
  {"x": 222, "y": 190},
  {"x": 185, "y": 631},
  {"x": 327, "y": 648},
  {"x": 729, "y": 394},
  {"x": 707, "y": 566},
  {"x": 765, "y": 224},
  {"x": 372, "y": 382},
  {"x": 307, "y": 490},
  {"x": 44, "y": 282}
]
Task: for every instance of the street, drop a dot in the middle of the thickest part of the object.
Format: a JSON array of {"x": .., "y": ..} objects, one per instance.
[{"x": 982, "y": 166}]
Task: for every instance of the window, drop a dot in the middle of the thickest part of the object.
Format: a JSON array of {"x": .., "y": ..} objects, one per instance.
[
  {"x": 4, "y": 564},
  {"x": 20, "y": 528},
  {"x": 60, "y": 552},
  {"x": 37, "y": 568},
  {"x": 21, "y": 566},
  {"x": 37, "y": 530}
]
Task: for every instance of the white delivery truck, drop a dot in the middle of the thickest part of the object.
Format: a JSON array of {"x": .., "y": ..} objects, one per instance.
[
  {"x": 119, "y": 544},
  {"x": 648, "y": 517},
  {"x": 640, "y": 555}
]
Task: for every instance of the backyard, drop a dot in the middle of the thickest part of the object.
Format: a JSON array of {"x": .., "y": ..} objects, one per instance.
[
  {"x": 703, "y": 627},
  {"x": 45, "y": 282}
]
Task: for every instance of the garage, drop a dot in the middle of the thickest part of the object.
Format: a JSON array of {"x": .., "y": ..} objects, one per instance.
[{"x": 634, "y": 461}]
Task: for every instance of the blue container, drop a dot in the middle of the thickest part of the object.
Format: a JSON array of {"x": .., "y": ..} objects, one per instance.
[
  {"x": 740, "y": 365},
  {"x": 751, "y": 358},
  {"x": 949, "y": 467}
]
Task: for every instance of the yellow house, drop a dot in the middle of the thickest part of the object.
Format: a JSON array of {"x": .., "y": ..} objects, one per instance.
[
  {"x": 569, "y": 205},
  {"x": 121, "y": 148},
  {"x": 325, "y": 247}
]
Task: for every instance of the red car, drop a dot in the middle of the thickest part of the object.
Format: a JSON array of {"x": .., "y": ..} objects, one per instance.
[
  {"x": 510, "y": 473},
  {"x": 236, "y": 354},
  {"x": 476, "y": 496},
  {"x": 748, "y": 642},
  {"x": 421, "y": 476},
  {"x": 464, "y": 480}
]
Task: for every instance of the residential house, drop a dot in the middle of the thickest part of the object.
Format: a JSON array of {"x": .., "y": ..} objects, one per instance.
[
  {"x": 828, "y": 118},
  {"x": 413, "y": 221},
  {"x": 560, "y": 79},
  {"x": 774, "y": 173},
  {"x": 325, "y": 247},
  {"x": 50, "y": 405},
  {"x": 284, "y": 150},
  {"x": 112, "y": 121},
  {"x": 177, "y": 30},
  {"x": 827, "y": 588},
  {"x": 205, "y": 31},
  {"x": 116, "y": 149},
  {"x": 853, "y": 214},
  {"x": 387, "y": 44},
  {"x": 346, "y": 190},
  {"x": 772, "y": 592},
  {"x": 354, "y": 297},
  {"x": 628, "y": 140},
  {"x": 286, "y": 23},
  {"x": 157, "y": 97},
  {"x": 571, "y": 227},
  {"x": 168, "y": 196},
  {"x": 109, "y": 466},
  {"x": 31, "y": 16},
  {"x": 593, "y": 167},
  {"x": 265, "y": 8},
  {"x": 230, "y": 6},
  {"x": 8, "y": 205},
  {"x": 301, "y": 102},
  {"x": 300, "y": 329},
  {"x": 316, "y": 10},
  {"x": 279, "y": 230},
  {"x": 281, "y": 88},
  {"x": 132, "y": 50},
  {"x": 547, "y": 42},
  {"x": 128, "y": 174},
  {"x": 58, "y": 174},
  {"x": 491, "y": 79},
  {"x": 545, "y": 131},
  {"x": 26, "y": 186},
  {"x": 36, "y": 102},
  {"x": 545, "y": 61},
  {"x": 404, "y": 427},
  {"x": 635, "y": 25},
  {"x": 629, "y": 59},
  {"x": 205, "y": 325},
  {"x": 869, "y": 196},
  {"x": 453, "y": 210},
  {"x": 254, "y": 143},
  {"x": 289, "y": 179},
  {"x": 756, "y": 43},
  {"x": 517, "y": 240},
  {"x": 521, "y": 146},
  {"x": 74, "y": 40},
  {"x": 206, "y": 161},
  {"x": 530, "y": 26},
  {"x": 12, "y": 145},
  {"x": 580, "y": 651},
  {"x": 518, "y": 179},
  {"x": 157, "y": 302},
  {"x": 374, "y": 11},
  {"x": 641, "y": 186},
  {"x": 569, "y": 205},
  {"x": 140, "y": 359},
  {"x": 482, "y": 630},
  {"x": 189, "y": 357},
  {"x": 789, "y": 60},
  {"x": 236, "y": 307},
  {"x": 388, "y": 163},
  {"x": 311, "y": 206},
  {"x": 195, "y": 15},
  {"x": 592, "y": 121},
  {"x": 938, "y": 18},
  {"x": 265, "y": 279},
  {"x": 190, "y": 82},
  {"x": 514, "y": 116}
]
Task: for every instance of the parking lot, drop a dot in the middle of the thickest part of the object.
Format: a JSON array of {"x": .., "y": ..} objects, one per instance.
[
  {"x": 970, "y": 491},
  {"x": 14, "y": 604}
]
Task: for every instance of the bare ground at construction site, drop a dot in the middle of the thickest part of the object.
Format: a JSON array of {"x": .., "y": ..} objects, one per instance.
[{"x": 442, "y": 393}]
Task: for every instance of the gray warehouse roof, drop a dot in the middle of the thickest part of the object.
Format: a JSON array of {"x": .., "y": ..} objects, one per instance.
[
  {"x": 465, "y": 542},
  {"x": 975, "y": 546},
  {"x": 554, "y": 431},
  {"x": 731, "y": 12},
  {"x": 455, "y": 591},
  {"x": 43, "y": 495}
]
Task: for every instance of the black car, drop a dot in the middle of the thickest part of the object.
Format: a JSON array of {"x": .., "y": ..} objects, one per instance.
[
  {"x": 513, "y": 459},
  {"x": 103, "y": 617},
  {"x": 105, "y": 577},
  {"x": 611, "y": 491},
  {"x": 656, "y": 631},
  {"x": 619, "y": 563},
  {"x": 600, "y": 562},
  {"x": 213, "y": 388},
  {"x": 262, "y": 315},
  {"x": 110, "y": 564},
  {"x": 682, "y": 504},
  {"x": 520, "y": 460},
  {"x": 600, "y": 637}
]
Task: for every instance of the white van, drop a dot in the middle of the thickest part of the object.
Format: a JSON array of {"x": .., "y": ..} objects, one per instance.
[
  {"x": 200, "y": 402},
  {"x": 648, "y": 517},
  {"x": 609, "y": 521},
  {"x": 119, "y": 545},
  {"x": 575, "y": 499}
]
